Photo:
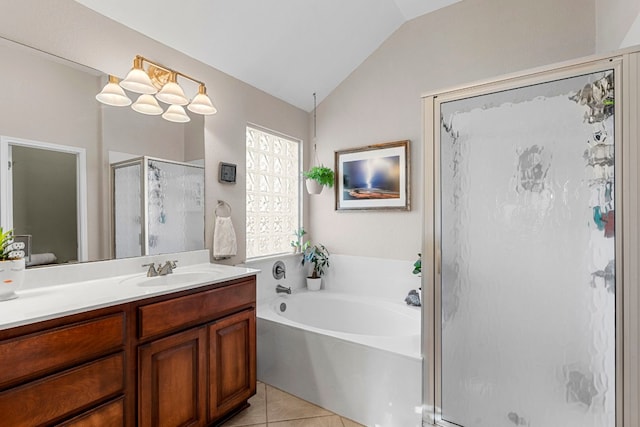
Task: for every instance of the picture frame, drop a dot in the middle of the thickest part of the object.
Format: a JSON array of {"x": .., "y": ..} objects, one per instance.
[{"x": 373, "y": 177}]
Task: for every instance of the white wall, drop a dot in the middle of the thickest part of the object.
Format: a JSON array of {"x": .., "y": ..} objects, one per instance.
[
  {"x": 380, "y": 100},
  {"x": 68, "y": 29},
  {"x": 617, "y": 24}
]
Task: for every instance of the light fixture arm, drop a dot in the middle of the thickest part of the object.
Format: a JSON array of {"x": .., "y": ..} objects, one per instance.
[{"x": 142, "y": 60}]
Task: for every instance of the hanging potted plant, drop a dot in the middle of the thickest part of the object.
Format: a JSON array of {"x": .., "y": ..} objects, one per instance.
[
  {"x": 317, "y": 178},
  {"x": 318, "y": 255},
  {"x": 11, "y": 266}
]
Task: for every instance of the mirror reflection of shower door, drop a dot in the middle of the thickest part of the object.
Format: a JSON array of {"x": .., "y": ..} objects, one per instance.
[
  {"x": 175, "y": 207},
  {"x": 527, "y": 332},
  {"x": 158, "y": 207}
]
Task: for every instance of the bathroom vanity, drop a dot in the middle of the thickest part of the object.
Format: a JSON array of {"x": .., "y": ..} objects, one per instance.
[{"x": 172, "y": 353}]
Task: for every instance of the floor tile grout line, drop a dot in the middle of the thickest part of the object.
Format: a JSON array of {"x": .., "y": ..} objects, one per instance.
[
  {"x": 268, "y": 422},
  {"x": 266, "y": 405}
]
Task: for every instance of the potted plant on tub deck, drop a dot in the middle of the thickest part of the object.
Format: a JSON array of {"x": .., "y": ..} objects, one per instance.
[
  {"x": 11, "y": 266},
  {"x": 318, "y": 255}
]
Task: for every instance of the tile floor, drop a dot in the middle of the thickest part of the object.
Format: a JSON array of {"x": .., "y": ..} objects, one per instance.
[{"x": 271, "y": 407}]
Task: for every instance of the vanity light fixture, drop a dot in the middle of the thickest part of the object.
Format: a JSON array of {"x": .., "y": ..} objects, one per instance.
[
  {"x": 175, "y": 113},
  {"x": 138, "y": 80},
  {"x": 147, "y": 104},
  {"x": 162, "y": 82},
  {"x": 201, "y": 103},
  {"x": 172, "y": 93},
  {"x": 113, "y": 94}
]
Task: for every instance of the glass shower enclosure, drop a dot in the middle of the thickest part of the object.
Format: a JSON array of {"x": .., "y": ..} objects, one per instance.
[
  {"x": 158, "y": 207},
  {"x": 526, "y": 252}
]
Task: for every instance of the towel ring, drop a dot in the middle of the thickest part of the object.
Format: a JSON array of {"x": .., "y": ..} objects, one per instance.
[{"x": 222, "y": 204}]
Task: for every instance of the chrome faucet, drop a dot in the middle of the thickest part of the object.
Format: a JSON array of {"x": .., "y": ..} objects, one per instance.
[
  {"x": 282, "y": 290},
  {"x": 152, "y": 270},
  {"x": 167, "y": 268},
  {"x": 279, "y": 270}
]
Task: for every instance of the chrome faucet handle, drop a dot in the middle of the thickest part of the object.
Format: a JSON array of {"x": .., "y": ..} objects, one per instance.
[
  {"x": 167, "y": 268},
  {"x": 152, "y": 272},
  {"x": 279, "y": 270}
]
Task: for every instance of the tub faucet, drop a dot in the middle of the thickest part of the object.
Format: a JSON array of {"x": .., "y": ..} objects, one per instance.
[
  {"x": 282, "y": 290},
  {"x": 279, "y": 270},
  {"x": 167, "y": 268}
]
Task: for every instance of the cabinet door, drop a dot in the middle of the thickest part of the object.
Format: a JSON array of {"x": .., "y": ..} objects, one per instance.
[
  {"x": 232, "y": 362},
  {"x": 171, "y": 391}
]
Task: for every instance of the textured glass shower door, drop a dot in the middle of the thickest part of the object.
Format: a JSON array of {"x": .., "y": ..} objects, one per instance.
[{"x": 527, "y": 333}]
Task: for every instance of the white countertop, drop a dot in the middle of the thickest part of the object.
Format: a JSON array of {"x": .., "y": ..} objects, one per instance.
[{"x": 35, "y": 304}]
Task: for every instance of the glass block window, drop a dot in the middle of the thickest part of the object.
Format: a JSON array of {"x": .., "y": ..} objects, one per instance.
[{"x": 273, "y": 192}]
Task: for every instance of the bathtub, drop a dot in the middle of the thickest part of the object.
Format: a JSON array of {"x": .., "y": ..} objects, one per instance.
[{"x": 358, "y": 357}]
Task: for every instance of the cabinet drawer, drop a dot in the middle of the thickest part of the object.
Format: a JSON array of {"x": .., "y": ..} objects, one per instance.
[
  {"x": 55, "y": 397},
  {"x": 46, "y": 351},
  {"x": 110, "y": 414},
  {"x": 196, "y": 308}
]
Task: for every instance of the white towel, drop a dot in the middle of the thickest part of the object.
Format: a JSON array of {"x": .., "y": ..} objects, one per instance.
[
  {"x": 42, "y": 259},
  {"x": 224, "y": 238}
]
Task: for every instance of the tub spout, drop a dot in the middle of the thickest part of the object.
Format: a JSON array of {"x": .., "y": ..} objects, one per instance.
[{"x": 282, "y": 290}]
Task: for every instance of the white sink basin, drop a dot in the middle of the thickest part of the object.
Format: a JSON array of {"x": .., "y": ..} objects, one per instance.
[{"x": 173, "y": 279}]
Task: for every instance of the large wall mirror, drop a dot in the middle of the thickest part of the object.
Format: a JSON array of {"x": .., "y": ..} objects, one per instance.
[{"x": 58, "y": 144}]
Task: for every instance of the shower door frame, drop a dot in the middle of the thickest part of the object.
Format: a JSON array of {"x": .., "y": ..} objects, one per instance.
[{"x": 626, "y": 66}]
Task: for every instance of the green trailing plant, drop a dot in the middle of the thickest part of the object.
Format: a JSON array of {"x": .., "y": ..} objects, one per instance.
[
  {"x": 6, "y": 247},
  {"x": 318, "y": 255},
  {"x": 417, "y": 266},
  {"x": 322, "y": 174}
]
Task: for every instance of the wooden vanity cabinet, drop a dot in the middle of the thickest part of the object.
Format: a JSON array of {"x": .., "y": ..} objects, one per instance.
[
  {"x": 197, "y": 356},
  {"x": 183, "y": 359}
]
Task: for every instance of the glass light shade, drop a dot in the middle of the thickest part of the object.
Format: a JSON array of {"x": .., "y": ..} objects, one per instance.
[
  {"x": 172, "y": 93},
  {"x": 112, "y": 94},
  {"x": 147, "y": 104},
  {"x": 201, "y": 103},
  {"x": 138, "y": 80},
  {"x": 175, "y": 113}
]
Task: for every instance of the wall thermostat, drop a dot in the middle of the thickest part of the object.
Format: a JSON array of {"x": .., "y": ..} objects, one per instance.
[{"x": 227, "y": 173}]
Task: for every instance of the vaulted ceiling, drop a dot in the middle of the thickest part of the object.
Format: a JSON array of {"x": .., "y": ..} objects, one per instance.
[{"x": 287, "y": 48}]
